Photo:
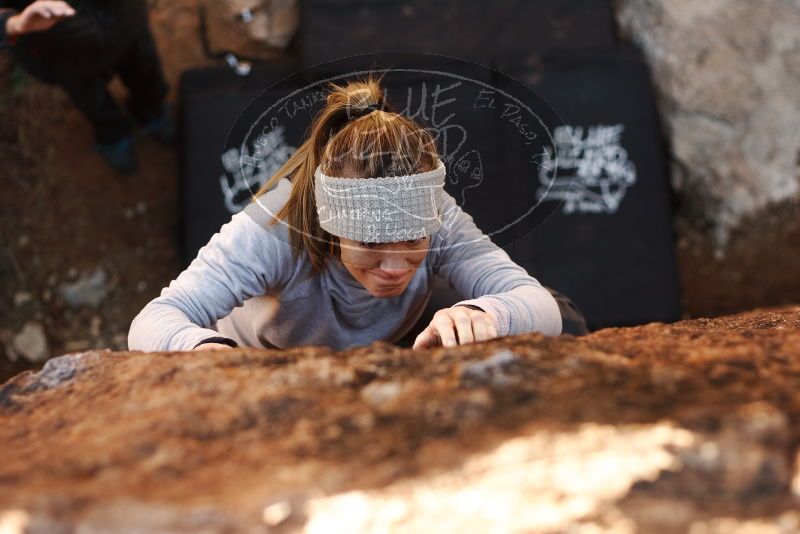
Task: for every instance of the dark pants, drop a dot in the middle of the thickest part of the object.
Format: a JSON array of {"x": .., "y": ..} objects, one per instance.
[
  {"x": 139, "y": 67},
  {"x": 572, "y": 320}
]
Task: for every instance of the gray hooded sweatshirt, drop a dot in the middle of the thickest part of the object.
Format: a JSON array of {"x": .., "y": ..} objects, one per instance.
[{"x": 245, "y": 285}]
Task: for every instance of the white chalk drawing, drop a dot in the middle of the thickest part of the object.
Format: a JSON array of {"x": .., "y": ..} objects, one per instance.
[
  {"x": 593, "y": 170},
  {"x": 246, "y": 171}
]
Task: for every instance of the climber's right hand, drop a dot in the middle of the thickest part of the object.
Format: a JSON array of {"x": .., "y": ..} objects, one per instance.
[{"x": 39, "y": 16}]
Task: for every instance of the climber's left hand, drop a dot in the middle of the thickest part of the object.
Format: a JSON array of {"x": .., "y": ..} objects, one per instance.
[{"x": 458, "y": 325}]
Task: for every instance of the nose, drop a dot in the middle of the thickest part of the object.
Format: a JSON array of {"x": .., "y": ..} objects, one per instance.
[{"x": 395, "y": 266}]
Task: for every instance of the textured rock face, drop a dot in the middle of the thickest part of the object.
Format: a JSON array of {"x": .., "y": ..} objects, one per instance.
[
  {"x": 728, "y": 74},
  {"x": 660, "y": 428}
]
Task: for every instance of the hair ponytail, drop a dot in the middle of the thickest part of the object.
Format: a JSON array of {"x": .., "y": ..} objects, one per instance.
[{"x": 347, "y": 139}]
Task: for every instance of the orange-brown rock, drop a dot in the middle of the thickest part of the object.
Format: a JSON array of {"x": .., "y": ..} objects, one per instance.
[{"x": 657, "y": 428}]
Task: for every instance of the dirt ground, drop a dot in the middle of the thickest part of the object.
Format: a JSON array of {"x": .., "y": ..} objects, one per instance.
[
  {"x": 668, "y": 428},
  {"x": 63, "y": 214}
]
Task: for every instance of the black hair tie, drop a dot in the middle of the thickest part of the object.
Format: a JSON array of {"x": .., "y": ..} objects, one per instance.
[
  {"x": 373, "y": 107},
  {"x": 357, "y": 113},
  {"x": 348, "y": 114}
]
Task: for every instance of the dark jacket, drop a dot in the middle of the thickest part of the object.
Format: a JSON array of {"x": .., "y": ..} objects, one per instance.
[{"x": 88, "y": 44}]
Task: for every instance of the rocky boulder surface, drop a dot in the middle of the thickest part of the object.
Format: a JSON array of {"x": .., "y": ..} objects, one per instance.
[
  {"x": 684, "y": 427},
  {"x": 728, "y": 77}
]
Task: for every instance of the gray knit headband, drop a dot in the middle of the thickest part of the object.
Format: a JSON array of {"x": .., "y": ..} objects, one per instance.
[{"x": 380, "y": 210}]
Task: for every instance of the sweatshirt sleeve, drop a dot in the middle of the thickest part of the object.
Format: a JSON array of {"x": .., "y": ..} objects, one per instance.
[
  {"x": 478, "y": 268},
  {"x": 242, "y": 260}
]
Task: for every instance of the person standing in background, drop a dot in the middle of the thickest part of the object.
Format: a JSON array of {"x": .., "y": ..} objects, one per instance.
[{"x": 80, "y": 46}]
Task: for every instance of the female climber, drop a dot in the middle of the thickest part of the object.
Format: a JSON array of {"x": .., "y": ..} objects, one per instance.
[{"x": 340, "y": 248}]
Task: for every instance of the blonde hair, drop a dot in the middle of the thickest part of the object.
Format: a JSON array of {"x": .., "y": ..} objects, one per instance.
[{"x": 380, "y": 143}]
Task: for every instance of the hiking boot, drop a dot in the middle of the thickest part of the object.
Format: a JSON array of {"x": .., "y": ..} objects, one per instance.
[
  {"x": 119, "y": 155},
  {"x": 162, "y": 129}
]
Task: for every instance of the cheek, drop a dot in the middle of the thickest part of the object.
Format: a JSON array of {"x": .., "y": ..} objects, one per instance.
[
  {"x": 415, "y": 258},
  {"x": 418, "y": 256}
]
